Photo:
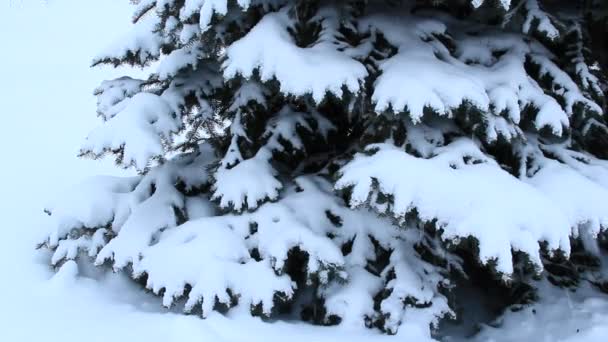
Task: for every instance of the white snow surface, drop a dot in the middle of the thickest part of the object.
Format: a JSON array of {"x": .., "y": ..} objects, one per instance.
[
  {"x": 478, "y": 198},
  {"x": 138, "y": 40},
  {"x": 558, "y": 316},
  {"x": 269, "y": 48},
  {"x": 145, "y": 121},
  {"x": 534, "y": 13},
  {"x": 77, "y": 303}
]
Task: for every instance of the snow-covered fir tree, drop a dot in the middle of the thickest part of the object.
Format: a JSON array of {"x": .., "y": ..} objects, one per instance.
[{"x": 348, "y": 162}]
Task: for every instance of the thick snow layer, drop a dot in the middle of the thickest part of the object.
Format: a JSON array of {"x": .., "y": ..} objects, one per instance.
[
  {"x": 558, "y": 316},
  {"x": 414, "y": 78},
  {"x": 505, "y": 3},
  {"x": 228, "y": 188},
  {"x": 471, "y": 195},
  {"x": 231, "y": 192},
  {"x": 508, "y": 84},
  {"x": 144, "y": 46},
  {"x": 423, "y": 74},
  {"x": 229, "y": 265},
  {"x": 140, "y": 129},
  {"x": 314, "y": 70},
  {"x": 581, "y": 199},
  {"x": 477, "y": 199},
  {"x": 535, "y": 16},
  {"x": 77, "y": 208},
  {"x": 111, "y": 93},
  {"x": 206, "y": 9},
  {"x": 186, "y": 57},
  {"x": 184, "y": 256}
]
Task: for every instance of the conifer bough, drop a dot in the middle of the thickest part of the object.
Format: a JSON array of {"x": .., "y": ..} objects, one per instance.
[{"x": 347, "y": 162}]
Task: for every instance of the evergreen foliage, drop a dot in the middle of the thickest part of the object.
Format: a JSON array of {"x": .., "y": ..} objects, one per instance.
[{"x": 348, "y": 161}]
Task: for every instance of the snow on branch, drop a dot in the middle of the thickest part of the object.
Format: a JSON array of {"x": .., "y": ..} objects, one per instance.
[
  {"x": 315, "y": 70},
  {"x": 139, "y": 131},
  {"x": 466, "y": 192}
]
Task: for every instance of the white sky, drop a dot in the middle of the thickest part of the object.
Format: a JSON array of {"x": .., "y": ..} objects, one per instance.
[
  {"x": 46, "y": 110},
  {"x": 46, "y": 100}
]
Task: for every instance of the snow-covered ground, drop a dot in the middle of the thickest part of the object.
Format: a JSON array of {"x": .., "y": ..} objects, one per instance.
[{"x": 47, "y": 107}]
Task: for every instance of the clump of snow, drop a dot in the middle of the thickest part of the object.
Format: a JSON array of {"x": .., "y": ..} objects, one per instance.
[
  {"x": 206, "y": 9},
  {"x": 314, "y": 70},
  {"x": 185, "y": 256},
  {"x": 231, "y": 192},
  {"x": 112, "y": 92},
  {"x": 577, "y": 195},
  {"x": 139, "y": 45},
  {"x": 504, "y": 3},
  {"x": 423, "y": 74},
  {"x": 228, "y": 188},
  {"x": 139, "y": 130},
  {"x": 177, "y": 60},
  {"x": 543, "y": 21},
  {"x": 414, "y": 78},
  {"x": 78, "y": 208},
  {"x": 134, "y": 209},
  {"x": 475, "y": 198}
]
